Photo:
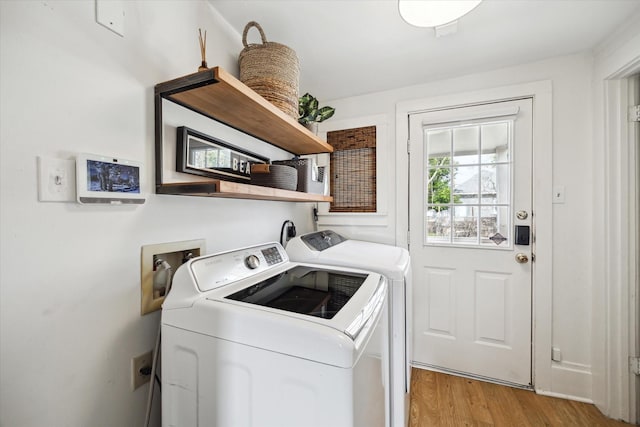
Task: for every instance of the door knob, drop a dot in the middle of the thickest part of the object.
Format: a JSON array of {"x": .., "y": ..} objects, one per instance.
[
  {"x": 522, "y": 215},
  {"x": 522, "y": 258}
]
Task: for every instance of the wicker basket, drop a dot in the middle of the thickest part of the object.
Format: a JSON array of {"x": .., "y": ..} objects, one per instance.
[
  {"x": 272, "y": 70},
  {"x": 276, "y": 176}
]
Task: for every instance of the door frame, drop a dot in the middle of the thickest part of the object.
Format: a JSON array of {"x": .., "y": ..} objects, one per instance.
[
  {"x": 615, "y": 334},
  {"x": 541, "y": 269}
]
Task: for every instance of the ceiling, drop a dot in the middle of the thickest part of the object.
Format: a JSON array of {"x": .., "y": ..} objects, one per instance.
[{"x": 352, "y": 47}]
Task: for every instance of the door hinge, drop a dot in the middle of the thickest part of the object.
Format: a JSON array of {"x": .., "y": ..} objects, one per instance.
[
  {"x": 634, "y": 364},
  {"x": 408, "y": 237},
  {"x": 634, "y": 113},
  {"x": 408, "y": 146}
]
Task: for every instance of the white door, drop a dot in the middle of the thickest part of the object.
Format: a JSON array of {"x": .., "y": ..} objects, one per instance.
[{"x": 469, "y": 191}]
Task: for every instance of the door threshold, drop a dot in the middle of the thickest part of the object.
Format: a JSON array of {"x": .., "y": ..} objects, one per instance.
[{"x": 470, "y": 376}]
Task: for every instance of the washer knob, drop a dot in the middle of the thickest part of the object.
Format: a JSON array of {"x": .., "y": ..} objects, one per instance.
[{"x": 252, "y": 262}]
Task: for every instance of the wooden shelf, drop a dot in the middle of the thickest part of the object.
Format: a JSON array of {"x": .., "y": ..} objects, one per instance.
[
  {"x": 220, "y": 96},
  {"x": 219, "y": 188}
]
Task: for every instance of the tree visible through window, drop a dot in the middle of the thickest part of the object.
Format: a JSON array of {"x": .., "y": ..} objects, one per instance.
[
  {"x": 353, "y": 169},
  {"x": 438, "y": 184}
]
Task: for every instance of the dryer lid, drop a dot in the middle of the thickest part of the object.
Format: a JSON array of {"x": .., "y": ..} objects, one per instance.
[{"x": 390, "y": 261}]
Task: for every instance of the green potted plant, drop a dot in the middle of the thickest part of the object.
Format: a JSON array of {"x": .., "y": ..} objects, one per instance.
[{"x": 310, "y": 112}]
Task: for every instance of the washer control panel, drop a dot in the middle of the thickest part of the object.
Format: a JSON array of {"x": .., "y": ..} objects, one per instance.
[
  {"x": 272, "y": 255},
  {"x": 213, "y": 271},
  {"x": 252, "y": 262}
]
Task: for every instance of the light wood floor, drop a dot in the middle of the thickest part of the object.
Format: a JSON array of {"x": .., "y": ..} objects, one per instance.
[{"x": 446, "y": 400}]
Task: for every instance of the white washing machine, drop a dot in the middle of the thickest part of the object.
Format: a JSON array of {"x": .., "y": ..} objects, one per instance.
[
  {"x": 252, "y": 339},
  {"x": 328, "y": 247}
]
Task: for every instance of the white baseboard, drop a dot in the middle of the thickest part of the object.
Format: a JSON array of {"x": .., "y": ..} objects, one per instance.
[
  {"x": 563, "y": 396},
  {"x": 570, "y": 381}
]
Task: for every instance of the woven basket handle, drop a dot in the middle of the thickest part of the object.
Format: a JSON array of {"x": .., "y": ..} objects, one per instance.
[{"x": 246, "y": 30}]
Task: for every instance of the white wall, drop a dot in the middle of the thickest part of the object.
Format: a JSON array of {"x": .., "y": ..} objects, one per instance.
[
  {"x": 571, "y": 79},
  {"x": 70, "y": 274}
]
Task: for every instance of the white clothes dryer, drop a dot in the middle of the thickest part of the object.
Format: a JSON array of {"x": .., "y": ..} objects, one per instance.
[
  {"x": 330, "y": 248},
  {"x": 250, "y": 339}
]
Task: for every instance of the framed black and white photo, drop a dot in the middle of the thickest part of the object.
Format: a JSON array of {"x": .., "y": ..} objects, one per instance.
[{"x": 204, "y": 155}]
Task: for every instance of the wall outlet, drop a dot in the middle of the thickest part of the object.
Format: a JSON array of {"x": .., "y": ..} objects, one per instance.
[
  {"x": 141, "y": 369},
  {"x": 155, "y": 276}
]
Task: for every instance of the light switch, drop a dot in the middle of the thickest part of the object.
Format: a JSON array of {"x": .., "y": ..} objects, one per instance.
[
  {"x": 56, "y": 180},
  {"x": 558, "y": 194}
]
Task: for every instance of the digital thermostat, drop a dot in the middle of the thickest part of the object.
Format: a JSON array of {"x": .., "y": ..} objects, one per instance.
[{"x": 101, "y": 179}]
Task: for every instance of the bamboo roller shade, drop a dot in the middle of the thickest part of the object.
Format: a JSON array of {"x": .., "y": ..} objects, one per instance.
[{"x": 353, "y": 169}]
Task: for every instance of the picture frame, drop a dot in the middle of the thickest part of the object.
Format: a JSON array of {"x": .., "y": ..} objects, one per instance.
[{"x": 204, "y": 155}]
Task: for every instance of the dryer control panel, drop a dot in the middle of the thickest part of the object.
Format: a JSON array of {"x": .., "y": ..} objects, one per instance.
[{"x": 322, "y": 240}]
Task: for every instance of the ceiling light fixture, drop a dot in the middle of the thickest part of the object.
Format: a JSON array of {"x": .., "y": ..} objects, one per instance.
[{"x": 434, "y": 13}]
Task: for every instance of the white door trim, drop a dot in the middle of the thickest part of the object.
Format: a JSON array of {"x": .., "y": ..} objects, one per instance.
[
  {"x": 542, "y": 203},
  {"x": 618, "y": 224}
]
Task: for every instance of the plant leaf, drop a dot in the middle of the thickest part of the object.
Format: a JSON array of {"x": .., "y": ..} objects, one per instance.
[
  {"x": 324, "y": 113},
  {"x": 312, "y": 114},
  {"x": 304, "y": 100},
  {"x": 313, "y": 104}
]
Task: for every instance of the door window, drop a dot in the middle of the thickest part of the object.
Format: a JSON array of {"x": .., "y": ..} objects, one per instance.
[{"x": 468, "y": 173}]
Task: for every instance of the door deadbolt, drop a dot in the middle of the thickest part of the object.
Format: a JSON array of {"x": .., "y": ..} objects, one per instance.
[
  {"x": 522, "y": 258},
  {"x": 522, "y": 215}
]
